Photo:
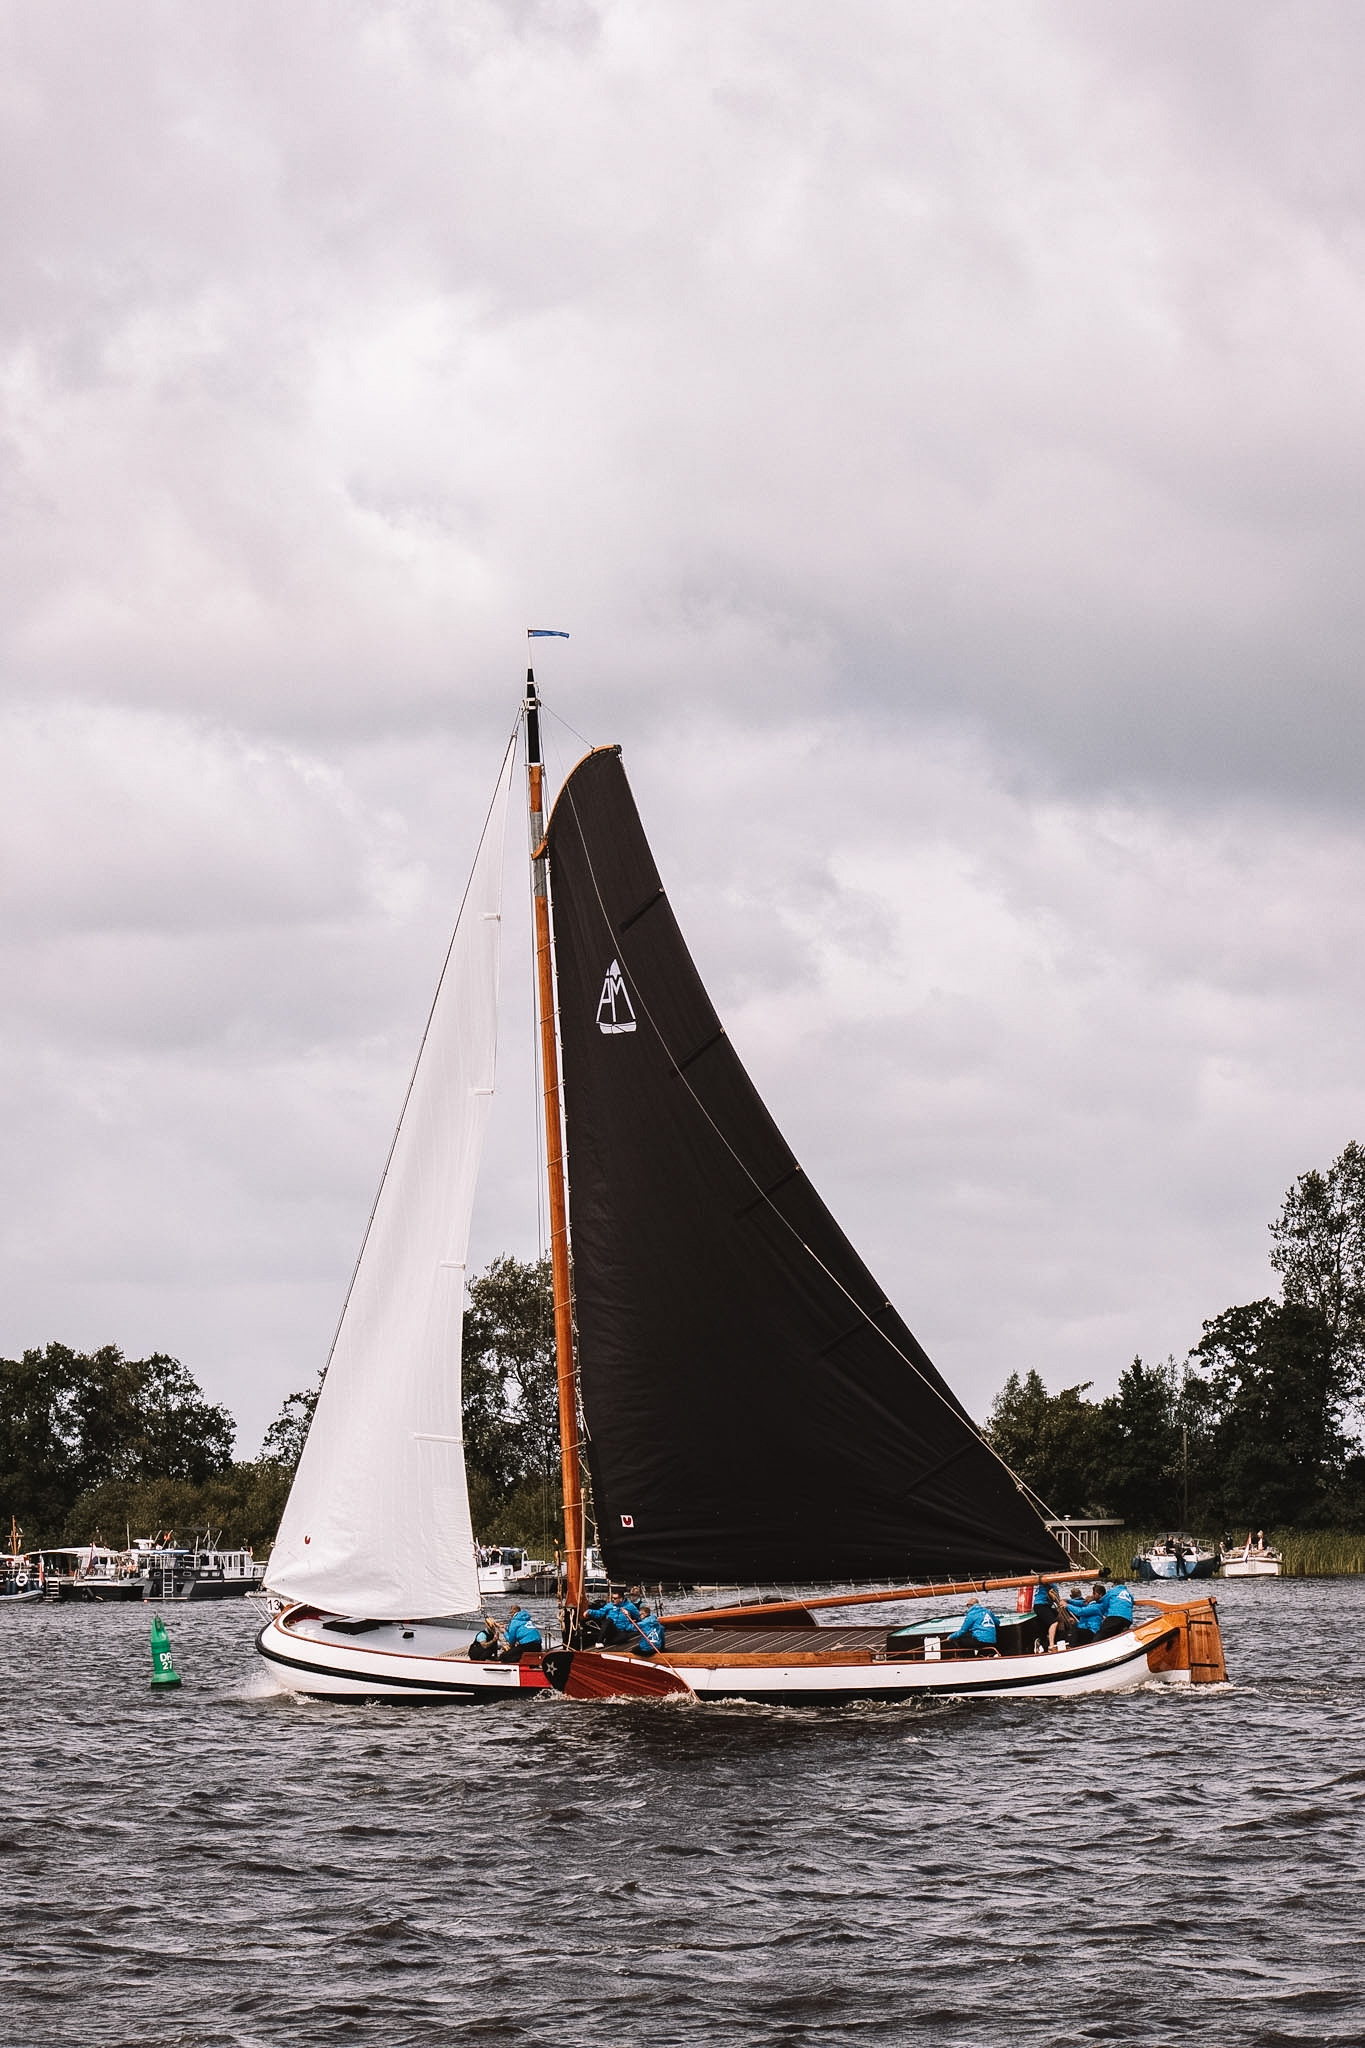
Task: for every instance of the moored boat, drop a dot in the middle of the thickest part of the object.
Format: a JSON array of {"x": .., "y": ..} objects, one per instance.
[
  {"x": 506, "y": 1568},
  {"x": 91, "y": 1574},
  {"x": 1176, "y": 1556},
  {"x": 1257, "y": 1559},
  {"x": 21, "y": 1573},
  {"x": 167, "y": 1571}
]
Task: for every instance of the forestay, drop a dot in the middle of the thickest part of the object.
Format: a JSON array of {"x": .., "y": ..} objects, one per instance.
[{"x": 377, "y": 1522}]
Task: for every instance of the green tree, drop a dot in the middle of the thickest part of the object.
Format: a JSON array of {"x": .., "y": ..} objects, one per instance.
[
  {"x": 38, "y": 1476},
  {"x": 1058, "y": 1444},
  {"x": 511, "y": 1393},
  {"x": 1318, "y": 1251},
  {"x": 1143, "y": 1475},
  {"x": 242, "y": 1505},
  {"x": 287, "y": 1434},
  {"x": 1276, "y": 1451},
  {"x": 145, "y": 1418},
  {"x": 73, "y": 1421}
]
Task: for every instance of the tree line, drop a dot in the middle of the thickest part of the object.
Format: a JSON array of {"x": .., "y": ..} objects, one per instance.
[
  {"x": 94, "y": 1445},
  {"x": 1260, "y": 1425}
]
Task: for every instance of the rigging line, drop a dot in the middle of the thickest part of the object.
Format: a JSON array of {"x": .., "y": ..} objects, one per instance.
[
  {"x": 509, "y": 762},
  {"x": 569, "y": 728},
  {"x": 764, "y": 1197}
]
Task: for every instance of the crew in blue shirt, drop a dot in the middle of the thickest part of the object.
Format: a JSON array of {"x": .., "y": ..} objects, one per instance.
[
  {"x": 1088, "y": 1614},
  {"x": 977, "y": 1633},
  {"x": 1118, "y": 1612},
  {"x": 650, "y": 1639},
  {"x": 619, "y": 1623},
  {"x": 1046, "y": 1610},
  {"x": 519, "y": 1635}
]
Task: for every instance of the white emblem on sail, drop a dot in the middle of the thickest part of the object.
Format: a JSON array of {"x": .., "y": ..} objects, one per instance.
[{"x": 614, "y": 1011}]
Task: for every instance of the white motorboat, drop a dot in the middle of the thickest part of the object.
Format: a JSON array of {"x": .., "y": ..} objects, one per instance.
[
  {"x": 1257, "y": 1559},
  {"x": 1177, "y": 1557},
  {"x": 504, "y": 1569}
]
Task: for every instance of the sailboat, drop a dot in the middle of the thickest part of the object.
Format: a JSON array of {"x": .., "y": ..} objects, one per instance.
[
  {"x": 21, "y": 1576},
  {"x": 739, "y": 1401}
]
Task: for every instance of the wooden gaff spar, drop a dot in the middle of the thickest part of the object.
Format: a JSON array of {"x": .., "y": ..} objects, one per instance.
[{"x": 736, "y": 1394}]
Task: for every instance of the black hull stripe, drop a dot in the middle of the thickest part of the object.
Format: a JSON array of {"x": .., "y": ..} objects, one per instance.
[{"x": 428, "y": 1685}]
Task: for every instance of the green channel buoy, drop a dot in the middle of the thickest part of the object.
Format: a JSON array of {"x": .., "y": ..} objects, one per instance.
[{"x": 163, "y": 1670}]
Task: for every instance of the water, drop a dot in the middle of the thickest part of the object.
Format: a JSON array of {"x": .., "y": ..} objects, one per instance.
[{"x": 226, "y": 1866}]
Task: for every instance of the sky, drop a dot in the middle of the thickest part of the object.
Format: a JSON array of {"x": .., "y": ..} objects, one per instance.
[{"x": 940, "y": 431}]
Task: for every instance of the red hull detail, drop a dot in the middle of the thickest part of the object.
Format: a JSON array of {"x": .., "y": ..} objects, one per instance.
[
  {"x": 530, "y": 1674},
  {"x": 594, "y": 1677}
]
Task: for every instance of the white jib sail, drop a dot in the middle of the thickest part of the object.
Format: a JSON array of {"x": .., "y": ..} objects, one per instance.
[{"x": 377, "y": 1521}]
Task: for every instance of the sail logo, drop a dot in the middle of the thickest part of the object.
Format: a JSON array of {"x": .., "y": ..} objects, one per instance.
[
  {"x": 627, "y": 1521},
  {"x": 615, "y": 1012}
]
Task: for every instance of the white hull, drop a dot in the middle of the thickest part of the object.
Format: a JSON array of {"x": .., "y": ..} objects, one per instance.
[
  {"x": 1251, "y": 1567},
  {"x": 23, "y": 1599},
  {"x": 1195, "y": 1565},
  {"x": 1119, "y": 1664},
  {"x": 395, "y": 1660}
]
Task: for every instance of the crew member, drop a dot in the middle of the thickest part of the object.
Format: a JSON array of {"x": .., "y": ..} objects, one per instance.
[
  {"x": 1088, "y": 1614},
  {"x": 520, "y": 1634},
  {"x": 1118, "y": 1612},
  {"x": 977, "y": 1633},
  {"x": 618, "y": 1624},
  {"x": 487, "y": 1642},
  {"x": 651, "y": 1633},
  {"x": 1045, "y": 1609}
]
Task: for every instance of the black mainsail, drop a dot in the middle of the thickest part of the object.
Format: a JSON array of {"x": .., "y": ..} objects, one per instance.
[{"x": 755, "y": 1408}]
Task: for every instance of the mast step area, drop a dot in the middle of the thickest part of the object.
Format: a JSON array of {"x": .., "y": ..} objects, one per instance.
[{"x": 778, "y": 1672}]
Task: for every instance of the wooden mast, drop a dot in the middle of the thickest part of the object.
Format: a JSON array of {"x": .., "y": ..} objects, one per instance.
[{"x": 571, "y": 1601}]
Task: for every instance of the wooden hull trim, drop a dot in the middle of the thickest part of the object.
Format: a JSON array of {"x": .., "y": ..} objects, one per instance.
[{"x": 359, "y": 1669}]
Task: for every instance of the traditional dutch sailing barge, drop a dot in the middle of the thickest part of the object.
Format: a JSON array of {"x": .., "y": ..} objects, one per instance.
[{"x": 741, "y": 1399}]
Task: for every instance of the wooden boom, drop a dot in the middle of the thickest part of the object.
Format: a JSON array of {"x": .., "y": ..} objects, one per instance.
[{"x": 773, "y": 1608}]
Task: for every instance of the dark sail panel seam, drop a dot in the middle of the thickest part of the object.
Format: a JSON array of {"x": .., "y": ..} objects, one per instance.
[
  {"x": 680, "y": 1066},
  {"x": 766, "y": 1194},
  {"x": 649, "y": 905}
]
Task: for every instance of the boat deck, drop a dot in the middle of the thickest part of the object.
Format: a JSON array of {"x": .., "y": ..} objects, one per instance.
[
  {"x": 791, "y": 1645},
  {"x": 777, "y": 1642}
]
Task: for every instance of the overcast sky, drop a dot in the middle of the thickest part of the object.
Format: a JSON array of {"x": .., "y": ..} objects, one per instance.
[{"x": 940, "y": 430}]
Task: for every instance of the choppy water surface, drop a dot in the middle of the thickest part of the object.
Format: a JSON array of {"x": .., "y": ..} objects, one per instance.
[{"x": 227, "y": 1866}]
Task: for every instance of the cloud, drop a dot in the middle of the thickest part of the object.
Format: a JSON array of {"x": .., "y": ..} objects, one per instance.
[{"x": 941, "y": 440}]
